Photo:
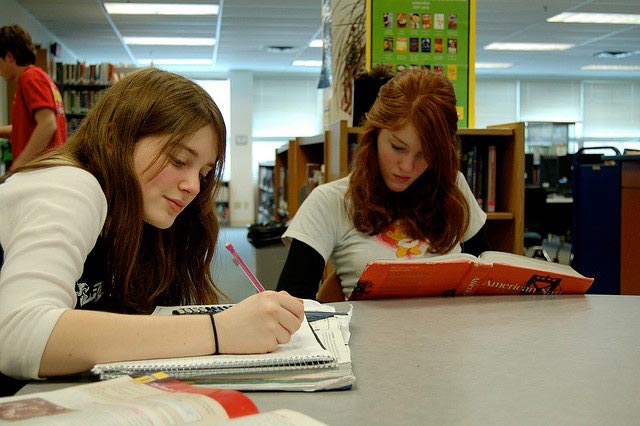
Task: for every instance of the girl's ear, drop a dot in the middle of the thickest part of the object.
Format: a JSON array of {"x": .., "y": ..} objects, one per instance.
[
  {"x": 110, "y": 137},
  {"x": 8, "y": 57}
]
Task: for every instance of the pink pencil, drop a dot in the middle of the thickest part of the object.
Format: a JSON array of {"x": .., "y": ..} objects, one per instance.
[{"x": 238, "y": 261}]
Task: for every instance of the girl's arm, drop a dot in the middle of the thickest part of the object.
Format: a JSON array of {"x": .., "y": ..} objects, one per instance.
[
  {"x": 81, "y": 339},
  {"x": 302, "y": 271}
]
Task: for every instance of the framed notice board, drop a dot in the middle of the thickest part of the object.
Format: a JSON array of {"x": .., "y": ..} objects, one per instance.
[{"x": 434, "y": 34}]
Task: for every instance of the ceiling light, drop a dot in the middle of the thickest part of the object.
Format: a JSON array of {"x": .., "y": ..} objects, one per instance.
[
  {"x": 280, "y": 49},
  {"x": 170, "y": 41},
  {"x": 596, "y": 18},
  {"x": 160, "y": 9},
  {"x": 174, "y": 62},
  {"x": 528, "y": 46},
  {"x": 493, "y": 65},
  {"x": 611, "y": 68},
  {"x": 316, "y": 43},
  {"x": 616, "y": 55},
  {"x": 301, "y": 63}
]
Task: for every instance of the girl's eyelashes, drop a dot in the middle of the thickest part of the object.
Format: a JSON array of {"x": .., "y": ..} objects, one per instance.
[
  {"x": 396, "y": 147},
  {"x": 177, "y": 162}
]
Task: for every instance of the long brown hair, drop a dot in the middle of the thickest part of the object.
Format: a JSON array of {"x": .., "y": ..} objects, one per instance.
[
  {"x": 149, "y": 266},
  {"x": 432, "y": 207}
]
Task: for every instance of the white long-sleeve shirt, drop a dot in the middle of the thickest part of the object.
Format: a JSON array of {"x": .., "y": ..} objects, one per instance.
[{"x": 50, "y": 220}]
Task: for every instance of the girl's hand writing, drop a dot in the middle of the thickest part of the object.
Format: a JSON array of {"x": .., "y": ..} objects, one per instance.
[{"x": 259, "y": 323}]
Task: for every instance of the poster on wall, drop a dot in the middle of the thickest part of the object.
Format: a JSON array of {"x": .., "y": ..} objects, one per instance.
[{"x": 430, "y": 34}]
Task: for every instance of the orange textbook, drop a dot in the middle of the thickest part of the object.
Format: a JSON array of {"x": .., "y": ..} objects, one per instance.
[{"x": 461, "y": 274}]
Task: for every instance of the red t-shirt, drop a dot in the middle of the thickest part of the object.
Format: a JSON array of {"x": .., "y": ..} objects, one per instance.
[{"x": 35, "y": 90}]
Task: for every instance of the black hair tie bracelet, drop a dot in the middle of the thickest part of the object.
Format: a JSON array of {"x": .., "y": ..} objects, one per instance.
[{"x": 215, "y": 334}]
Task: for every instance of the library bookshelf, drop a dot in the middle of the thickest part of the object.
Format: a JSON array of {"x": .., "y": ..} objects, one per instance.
[
  {"x": 335, "y": 148},
  {"x": 266, "y": 202},
  {"x": 294, "y": 170}
]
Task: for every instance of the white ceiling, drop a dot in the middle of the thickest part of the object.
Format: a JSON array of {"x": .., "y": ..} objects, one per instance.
[{"x": 245, "y": 28}]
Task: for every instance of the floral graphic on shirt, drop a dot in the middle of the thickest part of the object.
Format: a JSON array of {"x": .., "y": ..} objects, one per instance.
[{"x": 396, "y": 237}]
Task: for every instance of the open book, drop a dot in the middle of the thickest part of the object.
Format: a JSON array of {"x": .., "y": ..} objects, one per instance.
[
  {"x": 155, "y": 399},
  {"x": 491, "y": 273}
]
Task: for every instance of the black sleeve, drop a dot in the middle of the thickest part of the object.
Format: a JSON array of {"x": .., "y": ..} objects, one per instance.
[
  {"x": 302, "y": 271},
  {"x": 476, "y": 244}
]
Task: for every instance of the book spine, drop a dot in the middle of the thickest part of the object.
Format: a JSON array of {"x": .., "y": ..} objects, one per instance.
[{"x": 491, "y": 179}]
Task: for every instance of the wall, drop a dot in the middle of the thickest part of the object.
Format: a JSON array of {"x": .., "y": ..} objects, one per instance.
[
  {"x": 605, "y": 111},
  {"x": 242, "y": 200}
]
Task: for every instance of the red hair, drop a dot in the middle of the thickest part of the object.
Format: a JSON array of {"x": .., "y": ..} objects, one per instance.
[{"x": 432, "y": 207}]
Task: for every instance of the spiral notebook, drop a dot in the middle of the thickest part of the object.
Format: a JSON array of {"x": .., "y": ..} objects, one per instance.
[{"x": 304, "y": 351}]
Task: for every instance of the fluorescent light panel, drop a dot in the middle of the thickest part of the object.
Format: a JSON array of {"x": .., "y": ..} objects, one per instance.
[
  {"x": 528, "y": 46},
  {"x": 596, "y": 18},
  {"x": 160, "y": 9},
  {"x": 175, "y": 61},
  {"x": 170, "y": 41},
  {"x": 301, "y": 63},
  {"x": 316, "y": 43},
  {"x": 493, "y": 65},
  {"x": 610, "y": 68}
]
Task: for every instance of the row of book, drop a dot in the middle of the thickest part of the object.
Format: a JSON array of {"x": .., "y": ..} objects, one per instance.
[
  {"x": 478, "y": 164},
  {"x": 81, "y": 73},
  {"x": 80, "y": 101}
]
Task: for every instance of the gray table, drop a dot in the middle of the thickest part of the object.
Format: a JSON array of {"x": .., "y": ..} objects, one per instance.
[{"x": 484, "y": 360}]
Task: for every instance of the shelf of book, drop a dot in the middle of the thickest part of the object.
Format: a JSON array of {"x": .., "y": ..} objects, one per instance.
[
  {"x": 299, "y": 167},
  {"x": 310, "y": 154},
  {"x": 222, "y": 204},
  {"x": 266, "y": 201},
  {"x": 81, "y": 86},
  {"x": 505, "y": 210},
  {"x": 280, "y": 180},
  {"x": 342, "y": 141}
]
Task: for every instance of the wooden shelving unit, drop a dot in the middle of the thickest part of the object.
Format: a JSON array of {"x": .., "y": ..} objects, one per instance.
[
  {"x": 341, "y": 141},
  {"x": 266, "y": 200},
  {"x": 505, "y": 226},
  {"x": 78, "y": 100},
  {"x": 290, "y": 172},
  {"x": 284, "y": 157},
  {"x": 222, "y": 204}
]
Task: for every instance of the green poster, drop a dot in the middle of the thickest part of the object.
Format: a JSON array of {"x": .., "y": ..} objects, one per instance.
[{"x": 424, "y": 34}]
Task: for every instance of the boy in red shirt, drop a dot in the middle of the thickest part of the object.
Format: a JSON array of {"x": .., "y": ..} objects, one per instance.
[{"x": 37, "y": 114}]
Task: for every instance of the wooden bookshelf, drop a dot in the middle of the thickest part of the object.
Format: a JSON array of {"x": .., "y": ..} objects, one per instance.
[
  {"x": 292, "y": 160},
  {"x": 505, "y": 226},
  {"x": 266, "y": 189},
  {"x": 222, "y": 204},
  {"x": 341, "y": 140},
  {"x": 284, "y": 157}
]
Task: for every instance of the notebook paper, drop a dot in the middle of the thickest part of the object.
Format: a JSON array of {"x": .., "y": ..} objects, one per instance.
[{"x": 304, "y": 351}]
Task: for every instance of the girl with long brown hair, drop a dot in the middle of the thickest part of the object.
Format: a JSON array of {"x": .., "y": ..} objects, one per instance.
[
  {"x": 122, "y": 218},
  {"x": 404, "y": 199}
]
